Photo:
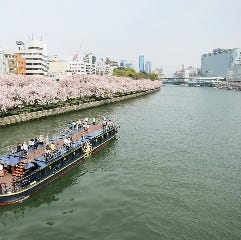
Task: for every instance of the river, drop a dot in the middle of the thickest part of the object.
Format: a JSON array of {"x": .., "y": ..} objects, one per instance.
[{"x": 173, "y": 173}]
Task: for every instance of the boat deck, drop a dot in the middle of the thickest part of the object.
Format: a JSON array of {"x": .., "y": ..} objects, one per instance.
[{"x": 36, "y": 154}]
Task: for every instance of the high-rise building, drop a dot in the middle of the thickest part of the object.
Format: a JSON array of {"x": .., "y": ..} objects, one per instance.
[
  {"x": 216, "y": 64},
  {"x": 141, "y": 63},
  {"x": 35, "y": 53},
  {"x": 148, "y": 67}
]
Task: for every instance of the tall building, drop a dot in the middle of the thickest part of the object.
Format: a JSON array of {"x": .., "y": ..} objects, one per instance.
[
  {"x": 148, "y": 67},
  {"x": 141, "y": 63},
  {"x": 216, "y": 64},
  {"x": 35, "y": 53}
]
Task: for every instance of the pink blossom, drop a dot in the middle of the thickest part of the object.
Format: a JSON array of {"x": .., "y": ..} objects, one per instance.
[{"x": 18, "y": 91}]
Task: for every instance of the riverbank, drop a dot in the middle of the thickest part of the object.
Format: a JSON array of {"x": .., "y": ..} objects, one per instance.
[
  {"x": 23, "y": 117},
  {"x": 229, "y": 85}
]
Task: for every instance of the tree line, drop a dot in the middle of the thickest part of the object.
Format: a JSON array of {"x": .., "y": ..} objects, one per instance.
[{"x": 129, "y": 72}]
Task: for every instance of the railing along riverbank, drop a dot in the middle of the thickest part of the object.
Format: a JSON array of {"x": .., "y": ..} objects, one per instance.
[{"x": 27, "y": 116}]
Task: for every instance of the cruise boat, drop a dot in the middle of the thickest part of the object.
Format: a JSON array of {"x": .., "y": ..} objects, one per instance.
[{"x": 25, "y": 171}]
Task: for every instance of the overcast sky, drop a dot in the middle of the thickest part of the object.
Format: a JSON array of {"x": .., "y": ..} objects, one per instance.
[{"x": 169, "y": 33}]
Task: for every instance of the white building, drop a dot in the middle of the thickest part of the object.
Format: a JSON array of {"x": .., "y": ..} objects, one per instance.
[
  {"x": 82, "y": 66},
  {"x": 234, "y": 74},
  {"x": 217, "y": 63},
  {"x": 90, "y": 61},
  {"x": 76, "y": 66},
  {"x": 35, "y": 53},
  {"x": 187, "y": 72},
  {"x": 106, "y": 67},
  {"x": 57, "y": 68},
  {"x": 4, "y": 69}
]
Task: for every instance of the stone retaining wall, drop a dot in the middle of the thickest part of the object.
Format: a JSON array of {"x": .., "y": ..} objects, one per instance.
[{"x": 45, "y": 113}]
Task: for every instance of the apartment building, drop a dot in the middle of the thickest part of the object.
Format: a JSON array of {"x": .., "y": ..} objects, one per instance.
[{"x": 35, "y": 53}]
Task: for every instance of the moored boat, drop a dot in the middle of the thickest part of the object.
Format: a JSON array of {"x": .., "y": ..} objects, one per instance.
[{"x": 30, "y": 168}]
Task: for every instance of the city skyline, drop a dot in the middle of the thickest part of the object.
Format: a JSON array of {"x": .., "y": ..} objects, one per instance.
[{"x": 169, "y": 34}]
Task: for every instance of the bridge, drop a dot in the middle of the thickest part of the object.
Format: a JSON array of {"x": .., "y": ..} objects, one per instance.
[{"x": 194, "y": 81}]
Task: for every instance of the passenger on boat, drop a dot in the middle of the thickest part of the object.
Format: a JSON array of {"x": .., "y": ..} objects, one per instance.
[
  {"x": 104, "y": 122},
  {"x": 74, "y": 125},
  {"x": 78, "y": 124},
  {"x": 31, "y": 143},
  {"x": 36, "y": 143},
  {"x": 46, "y": 140},
  {"x": 19, "y": 147},
  {"x": 25, "y": 147},
  {"x": 93, "y": 120},
  {"x": 47, "y": 151},
  {"x": 109, "y": 124},
  {"x": 52, "y": 147},
  {"x": 70, "y": 139},
  {"x": 67, "y": 143},
  {"x": 41, "y": 139},
  {"x": 85, "y": 126},
  {"x": 70, "y": 126}
]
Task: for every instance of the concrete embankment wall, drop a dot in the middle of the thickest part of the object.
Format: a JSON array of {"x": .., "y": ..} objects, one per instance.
[{"x": 45, "y": 113}]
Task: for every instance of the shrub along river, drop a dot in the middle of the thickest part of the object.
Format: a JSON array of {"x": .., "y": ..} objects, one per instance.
[{"x": 173, "y": 173}]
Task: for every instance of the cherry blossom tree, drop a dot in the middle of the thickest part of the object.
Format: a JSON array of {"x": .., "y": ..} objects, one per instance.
[{"x": 20, "y": 91}]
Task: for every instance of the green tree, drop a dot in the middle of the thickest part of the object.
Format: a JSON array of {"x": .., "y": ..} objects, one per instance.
[{"x": 129, "y": 72}]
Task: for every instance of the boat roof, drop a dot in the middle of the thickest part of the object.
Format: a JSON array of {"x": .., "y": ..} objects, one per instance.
[{"x": 32, "y": 157}]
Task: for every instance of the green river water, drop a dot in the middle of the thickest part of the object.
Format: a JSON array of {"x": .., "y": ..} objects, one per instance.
[{"x": 173, "y": 173}]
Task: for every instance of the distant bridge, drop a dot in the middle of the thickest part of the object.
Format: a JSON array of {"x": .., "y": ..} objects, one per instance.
[{"x": 194, "y": 81}]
